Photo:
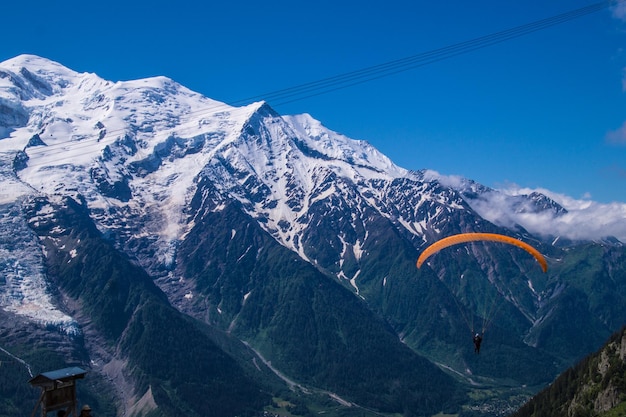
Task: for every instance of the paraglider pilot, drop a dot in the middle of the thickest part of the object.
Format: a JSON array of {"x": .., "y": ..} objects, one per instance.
[{"x": 477, "y": 341}]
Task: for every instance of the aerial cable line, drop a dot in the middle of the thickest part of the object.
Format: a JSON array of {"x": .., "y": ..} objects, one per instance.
[
  {"x": 349, "y": 79},
  {"x": 404, "y": 64}
]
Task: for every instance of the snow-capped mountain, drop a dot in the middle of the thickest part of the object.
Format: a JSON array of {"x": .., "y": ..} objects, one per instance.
[
  {"x": 134, "y": 151},
  {"x": 276, "y": 231}
]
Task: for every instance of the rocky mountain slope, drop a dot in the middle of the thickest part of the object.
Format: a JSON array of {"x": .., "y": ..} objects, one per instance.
[{"x": 595, "y": 386}]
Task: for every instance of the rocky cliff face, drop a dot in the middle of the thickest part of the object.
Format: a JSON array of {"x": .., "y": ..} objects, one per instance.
[
  {"x": 607, "y": 383},
  {"x": 596, "y": 386}
]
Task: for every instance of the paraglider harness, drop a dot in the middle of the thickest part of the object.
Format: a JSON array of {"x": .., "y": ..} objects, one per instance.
[{"x": 478, "y": 339}]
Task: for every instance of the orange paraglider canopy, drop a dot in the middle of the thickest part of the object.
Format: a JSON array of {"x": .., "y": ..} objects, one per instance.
[{"x": 470, "y": 237}]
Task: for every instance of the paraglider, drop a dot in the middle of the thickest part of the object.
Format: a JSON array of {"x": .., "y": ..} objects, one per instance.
[
  {"x": 477, "y": 338},
  {"x": 470, "y": 237}
]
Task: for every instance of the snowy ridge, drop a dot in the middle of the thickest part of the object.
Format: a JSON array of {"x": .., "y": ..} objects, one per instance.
[{"x": 289, "y": 160}]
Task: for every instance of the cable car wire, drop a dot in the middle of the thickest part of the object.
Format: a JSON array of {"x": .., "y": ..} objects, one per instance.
[{"x": 349, "y": 79}]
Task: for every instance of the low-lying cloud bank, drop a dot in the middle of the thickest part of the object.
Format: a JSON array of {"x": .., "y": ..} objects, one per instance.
[
  {"x": 584, "y": 220},
  {"x": 508, "y": 207}
]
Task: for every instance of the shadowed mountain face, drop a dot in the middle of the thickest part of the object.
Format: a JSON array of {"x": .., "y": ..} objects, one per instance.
[{"x": 201, "y": 259}]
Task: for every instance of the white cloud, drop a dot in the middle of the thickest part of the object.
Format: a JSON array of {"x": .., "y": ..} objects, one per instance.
[
  {"x": 617, "y": 137},
  {"x": 585, "y": 219},
  {"x": 452, "y": 181},
  {"x": 619, "y": 11}
]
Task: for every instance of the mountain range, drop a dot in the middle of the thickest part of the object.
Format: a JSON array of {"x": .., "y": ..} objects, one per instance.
[{"x": 202, "y": 259}]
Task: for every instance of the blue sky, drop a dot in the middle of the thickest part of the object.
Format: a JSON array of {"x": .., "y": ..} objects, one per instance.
[{"x": 544, "y": 110}]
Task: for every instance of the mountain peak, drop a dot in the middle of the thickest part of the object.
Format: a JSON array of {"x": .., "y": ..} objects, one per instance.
[
  {"x": 37, "y": 77},
  {"x": 33, "y": 63}
]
